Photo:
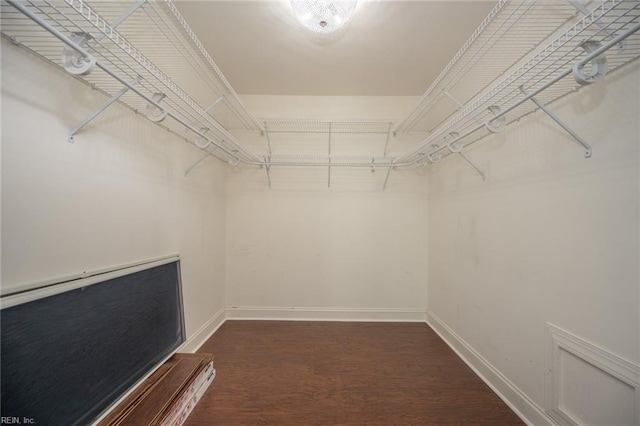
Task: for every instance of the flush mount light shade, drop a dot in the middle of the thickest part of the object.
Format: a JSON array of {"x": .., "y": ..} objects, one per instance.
[{"x": 323, "y": 16}]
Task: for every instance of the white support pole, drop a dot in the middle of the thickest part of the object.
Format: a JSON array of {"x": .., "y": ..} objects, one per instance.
[
  {"x": 476, "y": 168},
  {"x": 207, "y": 109},
  {"x": 386, "y": 179},
  {"x": 386, "y": 144},
  {"x": 204, "y": 157},
  {"x": 453, "y": 99},
  {"x": 100, "y": 110},
  {"x": 121, "y": 19},
  {"x": 586, "y": 12},
  {"x": 266, "y": 133},
  {"x": 267, "y": 167},
  {"x": 587, "y": 147}
]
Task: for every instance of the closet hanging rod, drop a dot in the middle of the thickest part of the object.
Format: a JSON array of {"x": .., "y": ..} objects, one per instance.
[
  {"x": 590, "y": 57},
  {"x": 363, "y": 164}
]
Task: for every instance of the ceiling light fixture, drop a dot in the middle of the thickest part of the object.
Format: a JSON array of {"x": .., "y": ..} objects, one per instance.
[{"x": 323, "y": 16}]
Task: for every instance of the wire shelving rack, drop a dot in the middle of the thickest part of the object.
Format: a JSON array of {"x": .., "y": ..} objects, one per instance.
[{"x": 520, "y": 58}]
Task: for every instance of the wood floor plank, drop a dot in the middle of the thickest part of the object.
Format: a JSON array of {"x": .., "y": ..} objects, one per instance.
[{"x": 341, "y": 373}]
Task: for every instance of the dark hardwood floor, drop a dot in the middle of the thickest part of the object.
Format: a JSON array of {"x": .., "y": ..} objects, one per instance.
[{"x": 339, "y": 373}]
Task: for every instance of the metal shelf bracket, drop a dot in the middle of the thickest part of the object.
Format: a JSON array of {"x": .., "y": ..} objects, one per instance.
[
  {"x": 194, "y": 165},
  {"x": 456, "y": 146},
  {"x": 267, "y": 167},
  {"x": 496, "y": 125},
  {"x": 577, "y": 137},
  {"x": 75, "y": 62},
  {"x": 422, "y": 161},
  {"x": 386, "y": 179},
  {"x": 155, "y": 113},
  {"x": 386, "y": 143},
  {"x": 266, "y": 133},
  {"x": 476, "y": 168},
  {"x": 453, "y": 99},
  {"x": 604, "y": 27},
  {"x": 201, "y": 141},
  {"x": 435, "y": 156},
  {"x": 598, "y": 65},
  {"x": 233, "y": 159},
  {"x": 100, "y": 110}
]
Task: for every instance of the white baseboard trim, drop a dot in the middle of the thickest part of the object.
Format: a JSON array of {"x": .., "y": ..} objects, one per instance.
[
  {"x": 517, "y": 400},
  {"x": 325, "y": 314},
  {"x": 199, "y": 337}
]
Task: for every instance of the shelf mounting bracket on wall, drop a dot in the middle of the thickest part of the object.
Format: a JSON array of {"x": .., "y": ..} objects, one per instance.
[
  {"x": 154, "y": 112},
  {"x": 266, "y": 133},
  {"x": 210, "y": 107},
  {"x": 202, "y": 141},
  {"x": 386, "y": 144},
  {"x": 207, "y": 109},
  {"x": 604, "y": 27},
  {"x": 386, "y": 179},
  {"x": 476, "y": 168},
  {"x": 456, "y": 147},
  {"x": 126, "y": 15},
  {"x": 599, "y": 66},
  {"x": 577, "y": 137},
  {"x": 100, "y": 110},
  {"x": 499, "y": 122},
  {"x": 209, "y": 152},
  {"x": 267, "y": 167},
  {"x": 75, "y": 63},
  {"x": 453, "y": 99}
]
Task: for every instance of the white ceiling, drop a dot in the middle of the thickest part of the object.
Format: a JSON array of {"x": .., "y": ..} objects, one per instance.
[{"x": 388, "y": 48}]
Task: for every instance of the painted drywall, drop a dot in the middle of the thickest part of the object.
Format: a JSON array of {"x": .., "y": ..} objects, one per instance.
[
  {"x": 305, "y": 250},
  {"x": 551, "y": 237},
  {"x": 115, "y": 196}
]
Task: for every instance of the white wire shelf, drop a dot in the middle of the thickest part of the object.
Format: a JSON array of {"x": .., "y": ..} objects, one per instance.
[
  {"x": 317, "y": 160},
  {"x": 521, "y": 45},
  {"x": 188, "y": 78},
  {"x": 302, "y": 125},
  {"x": 533, "y": 73},
  {"x": 511, "y": 31}
]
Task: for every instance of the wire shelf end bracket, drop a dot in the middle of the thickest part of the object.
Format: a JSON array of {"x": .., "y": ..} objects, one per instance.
[
  {"x": 577, "y": 137},
  {"x": 100, "y": 110}
]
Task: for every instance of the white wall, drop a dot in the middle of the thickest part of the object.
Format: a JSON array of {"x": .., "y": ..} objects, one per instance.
[
  {"x": 303, "y": 250},
  {"x": 115, "y": 196},
  {"x": 550, "y": 238}
]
